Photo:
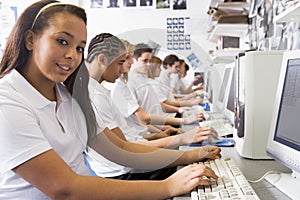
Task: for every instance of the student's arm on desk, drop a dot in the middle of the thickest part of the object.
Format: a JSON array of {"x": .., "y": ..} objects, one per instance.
[
  {"x": 146, "y": 157},
  {"x": 183, "y": 103},
  {"x": 63, "y": 183},
  {"x": 195, "y": 135},
  {"x": 157, "y": 133},
  {"x": 147, "y": 118}
]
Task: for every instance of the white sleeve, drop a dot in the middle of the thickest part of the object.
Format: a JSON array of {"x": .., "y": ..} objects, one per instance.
[
  {"x": 103, "y": 109},
  {"x": 124, "y": 100},
  {"x": 21, "y": 137}
]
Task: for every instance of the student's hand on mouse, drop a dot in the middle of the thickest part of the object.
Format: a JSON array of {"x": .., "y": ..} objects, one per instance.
[
  {"x": 204, "y": 153},
  {"x": 209, "y": 153},
  {"x": 187, "y": 178},
  {"x": 197, "y": 134}
]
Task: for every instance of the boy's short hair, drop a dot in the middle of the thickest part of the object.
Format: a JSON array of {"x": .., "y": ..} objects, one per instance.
[{"x": 140, "y": 49}]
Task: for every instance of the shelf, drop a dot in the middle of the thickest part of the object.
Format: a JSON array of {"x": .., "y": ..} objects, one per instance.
[
  {"x": 234, "y": 30},
  {"x": 292, "y": 14},
  {"x": 225, "y": 56},
  {"x": 238, "y": 6}
]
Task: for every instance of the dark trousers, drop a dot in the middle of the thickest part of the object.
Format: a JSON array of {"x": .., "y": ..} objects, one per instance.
[{"x": 152, "y": 175}]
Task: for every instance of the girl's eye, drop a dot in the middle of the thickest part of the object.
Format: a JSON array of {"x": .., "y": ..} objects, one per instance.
[
  {"x": 80, "y": 49},
  {"x": 62, "y": 41}
]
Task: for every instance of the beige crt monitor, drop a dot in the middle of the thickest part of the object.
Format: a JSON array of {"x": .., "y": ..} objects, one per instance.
[
  {"x": 257, "y": 76},
  {"x": 284, "y": 138}
]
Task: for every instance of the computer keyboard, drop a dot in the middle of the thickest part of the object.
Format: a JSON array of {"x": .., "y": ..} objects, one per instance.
[
  {"x": 222, "y": 127},
  {"x": 231, "y": 184}
]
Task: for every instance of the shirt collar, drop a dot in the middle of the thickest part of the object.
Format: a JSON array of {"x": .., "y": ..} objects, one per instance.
[
  {"x": 20, "y": 84},
  {"x": 96, "y": 86}
]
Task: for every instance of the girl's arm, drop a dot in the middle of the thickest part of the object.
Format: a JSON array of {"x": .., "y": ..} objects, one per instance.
[
  {"x": 50, "y": 174},
  {"x": 146, "y": 157}
]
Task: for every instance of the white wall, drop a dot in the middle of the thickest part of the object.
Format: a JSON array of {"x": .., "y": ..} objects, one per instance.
[{"x": 141, "y": 24}]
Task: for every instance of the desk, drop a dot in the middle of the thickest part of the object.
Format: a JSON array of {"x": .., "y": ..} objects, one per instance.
[{"x": 253, "y": 170}]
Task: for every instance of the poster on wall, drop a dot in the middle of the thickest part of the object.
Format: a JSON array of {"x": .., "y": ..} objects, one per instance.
[
  {"x": 162, "y": 4},
  {"x": 129, "y": 3},
  {"x": 113, "y": 4},
  {"x": 96, "y": 4},
  {"x": 179, "y": 5},
  {"x": 146, "y": 3},
  {"x": 177, "y": 38},
  {"x": 194, "y": 61}
]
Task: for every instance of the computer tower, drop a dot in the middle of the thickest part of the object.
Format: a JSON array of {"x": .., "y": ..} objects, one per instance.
[{"x": 257, "y": 74}]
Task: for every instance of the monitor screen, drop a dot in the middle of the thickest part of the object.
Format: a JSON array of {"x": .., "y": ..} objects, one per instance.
[
  {"x": 230, "y": 105},
  {"x": 231, "y": 97},
  {"x": 284, "y": 139},
  {"x": 207, "y": 80},
  {"x": 224, "y": 84},
  {"x": 207, "y": 85},
  {"x": 224, "y": 89},
  {"x": 287, "y": 127}
]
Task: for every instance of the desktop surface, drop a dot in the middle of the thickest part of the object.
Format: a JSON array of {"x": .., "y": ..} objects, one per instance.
[{"x": 253, "y": 170}]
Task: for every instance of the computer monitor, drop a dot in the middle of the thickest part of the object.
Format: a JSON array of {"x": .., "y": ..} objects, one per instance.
[
  {"x": 208, "y": 85},
  {"x": 221, "y": 101},
  {"x": 284, "y": 138},
  {"x": 230, "y": 110}
]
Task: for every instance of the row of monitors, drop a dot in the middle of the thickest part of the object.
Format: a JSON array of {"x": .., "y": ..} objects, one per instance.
[{"x": 283, "y": 137}]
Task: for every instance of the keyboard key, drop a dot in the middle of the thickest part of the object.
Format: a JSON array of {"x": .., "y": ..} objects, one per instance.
[{"x": 231, "y": 184}]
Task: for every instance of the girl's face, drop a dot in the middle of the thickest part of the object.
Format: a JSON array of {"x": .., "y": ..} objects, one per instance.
[
  {"x": 157, "y": 70},
  {"x": 112, "y": 72},
  {"x": 127, "y": 64},
  {"x": 58, "y": 50}
]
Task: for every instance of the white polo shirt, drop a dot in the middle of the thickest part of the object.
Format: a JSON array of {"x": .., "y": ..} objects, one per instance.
[
  {"x": 126, "y": 104},
  {"x": 30, "y": 125},
  {"x": 175, "y": 82},
  {"x": 112, "y": 118},
  {"x": 141, "y": 88}
]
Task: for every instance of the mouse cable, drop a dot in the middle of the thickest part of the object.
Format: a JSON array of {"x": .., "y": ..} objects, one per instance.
[{"x": 267, "y": 173}]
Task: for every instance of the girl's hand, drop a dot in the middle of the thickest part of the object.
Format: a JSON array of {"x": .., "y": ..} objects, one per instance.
[
  {"x": 208, "y": 153},
  {"x": 187, "y": 178},
  {"x": 199, "y": 134}
]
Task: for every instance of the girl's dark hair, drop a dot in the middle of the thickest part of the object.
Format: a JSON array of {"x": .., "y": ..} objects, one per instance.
[{"x": 16, "y": 54}]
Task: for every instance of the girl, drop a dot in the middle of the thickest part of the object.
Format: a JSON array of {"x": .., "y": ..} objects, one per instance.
[{"x": 44, "y": 130}]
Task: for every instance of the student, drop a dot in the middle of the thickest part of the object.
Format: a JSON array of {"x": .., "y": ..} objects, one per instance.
[
  {"x": 141, "y": 87},
  {"x": 160, "y": 84},
  {"x": 131, "y": 108},
  {"x": 103, "y": 63},
  {"x": 171, "y": 66},
  {"x": 44, "y": 130},
  {"x": 180, "y": 89}
]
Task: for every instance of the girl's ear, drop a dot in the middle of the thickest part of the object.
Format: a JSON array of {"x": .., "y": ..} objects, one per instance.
[{"x": 29, "y": 38}]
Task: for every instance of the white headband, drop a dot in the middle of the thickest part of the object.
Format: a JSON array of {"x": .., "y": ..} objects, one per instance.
[{"x": 43, "y": 9}]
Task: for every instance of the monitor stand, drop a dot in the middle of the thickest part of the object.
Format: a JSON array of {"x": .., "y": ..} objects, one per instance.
[{"x": 287, "y": 183}]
